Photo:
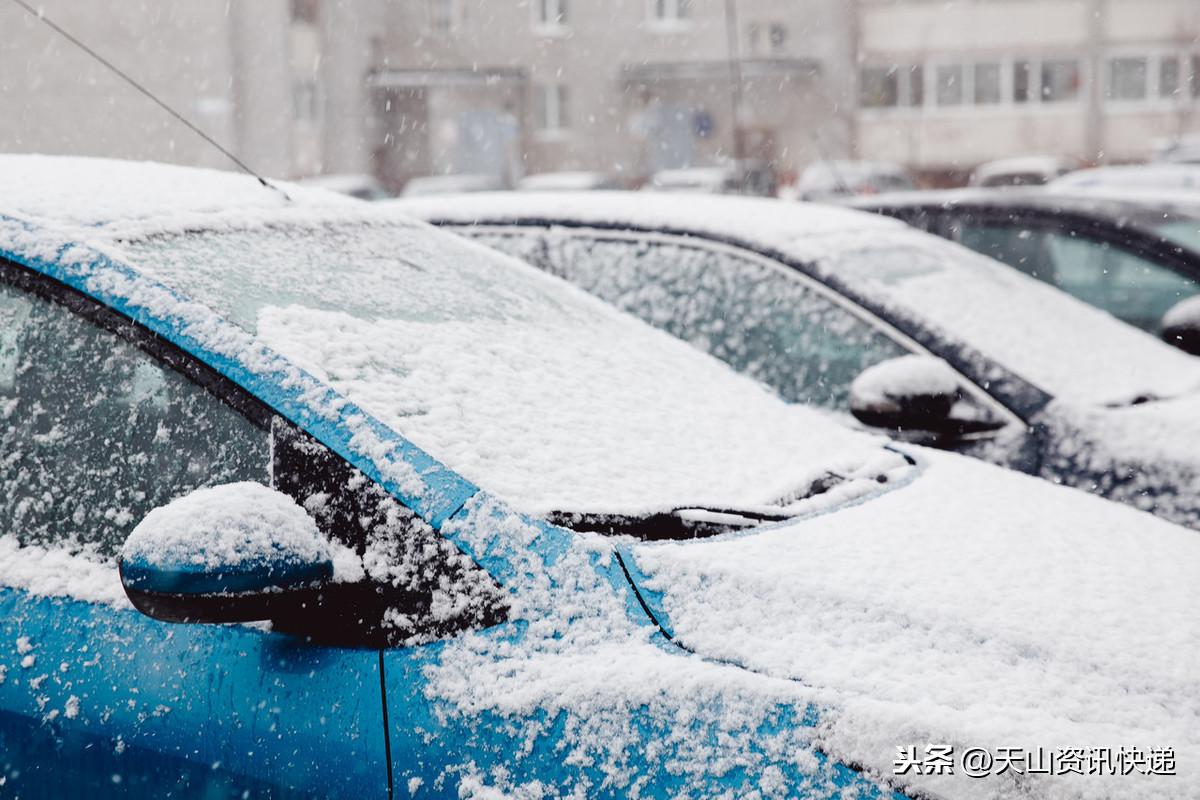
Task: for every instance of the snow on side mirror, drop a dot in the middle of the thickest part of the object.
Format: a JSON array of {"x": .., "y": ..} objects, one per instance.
[
  {"x": 909, "y": 393},
  {"x": 231, "y": 553},
  {"x": 1181, "y": 325}
]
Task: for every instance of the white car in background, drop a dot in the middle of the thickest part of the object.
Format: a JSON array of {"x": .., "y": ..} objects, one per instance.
[{"x": 1021, "y": 171}]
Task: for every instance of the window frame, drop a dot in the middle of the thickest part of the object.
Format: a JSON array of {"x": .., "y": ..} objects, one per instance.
[
  {"x": 772, "y": 262},
  {"x": 543, "y": 24}
]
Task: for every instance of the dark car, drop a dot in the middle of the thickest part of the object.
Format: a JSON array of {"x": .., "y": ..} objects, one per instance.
[
  {"x": 1135, "y": 256},
  {"x": 843, "y": 310}
]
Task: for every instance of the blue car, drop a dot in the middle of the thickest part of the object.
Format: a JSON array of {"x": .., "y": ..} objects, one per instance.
[{"x": 306, "y": 499}]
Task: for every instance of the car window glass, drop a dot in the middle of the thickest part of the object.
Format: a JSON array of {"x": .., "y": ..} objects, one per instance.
[
  {"x": 1127, "y": 286},
  {"x": 752, "y": 315},
  {"x": 94, "y": 433}
]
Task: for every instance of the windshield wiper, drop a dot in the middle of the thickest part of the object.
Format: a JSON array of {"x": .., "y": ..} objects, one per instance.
[{"x": 689, "y": 522}]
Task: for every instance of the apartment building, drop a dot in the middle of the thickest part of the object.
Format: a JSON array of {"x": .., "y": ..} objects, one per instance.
[
  {"x": 626, "y": 87},
  {"x": 946, "y": 85},
  {"x": 223, "y": 65}
]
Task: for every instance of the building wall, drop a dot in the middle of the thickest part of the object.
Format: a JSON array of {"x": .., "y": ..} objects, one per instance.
[
  {"x": 606, "y": 54},
  {"x": 1091, "y": 125}
]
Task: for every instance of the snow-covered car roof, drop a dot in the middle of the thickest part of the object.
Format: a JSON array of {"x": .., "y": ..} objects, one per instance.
[
  {"x": 518, "y": 381},
  {"x": 1060, "y": 344},
  {"x": 1156, "y": 176},
  {"x": 1046, "y": 166}
]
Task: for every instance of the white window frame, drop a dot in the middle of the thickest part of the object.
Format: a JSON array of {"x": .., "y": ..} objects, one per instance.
[
  {"x": 551, "y": 110},
  {"x": 559, "y": 25},
  {"x": 672, "y": 18}
]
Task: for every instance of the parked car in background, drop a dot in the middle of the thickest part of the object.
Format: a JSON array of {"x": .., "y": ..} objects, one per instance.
[
  {"x": 1133, "y": 176},
  {"x": 1023, "y": 171},
  {"x": 566, "y": 182},
  {"x": 496, "y": 537},
  {"x": 1134, "y": 255},
  {"x": 812, "y": 299},
  {"x": 746, "y": 177},
  {"x": 825, "y": 179},
  {"x": 361, "y": 187},
  {"x": 1182, "y": 150},
  {"x": 452, "y": 184}
]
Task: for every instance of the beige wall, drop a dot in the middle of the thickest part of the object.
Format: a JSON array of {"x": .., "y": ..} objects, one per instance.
[{"x": 1090, "y": 127}]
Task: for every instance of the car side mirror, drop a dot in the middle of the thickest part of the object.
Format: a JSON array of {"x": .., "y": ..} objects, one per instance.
[
  {"x": 232, "y": 553},
  {"x": 1181, "y": 325},
  {"x": 914, "y": 394}
]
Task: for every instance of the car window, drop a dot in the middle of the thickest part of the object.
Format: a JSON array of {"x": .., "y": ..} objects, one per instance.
[
  {"x": 1128, "y": 286},
  {"x": 94, "y": 433},
  {"x": 753, "y": 315}
]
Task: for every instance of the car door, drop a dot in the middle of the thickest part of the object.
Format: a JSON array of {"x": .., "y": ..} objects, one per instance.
[{"x": 94, "y": 697}]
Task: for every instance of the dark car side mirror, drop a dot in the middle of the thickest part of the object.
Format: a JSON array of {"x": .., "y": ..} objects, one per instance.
[
  {"x": 914, "y": 394},
  {"x": 232, "y": 553},
  {"x": 1181, "y": 325}
]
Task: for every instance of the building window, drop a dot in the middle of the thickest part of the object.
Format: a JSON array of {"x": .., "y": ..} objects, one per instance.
[
  {"x": 914, "y": 87},
  {"x": 442, "y": 15},
  {"x": 304, "y": 11},
  {"x": 949, "y": 88},
  {"x": 1060, "y": 80},
  {"x": 890, "y": 87},
  {"x": 1021, "y": 83},
  {"x": 1127, "y": 78},
  {"x": 551, "y": 108},
  {"x": 669, "y": 10},
  {"x": 550, "y": 13},
  {"x": 1170, "y": 76},
  {"x": 879, "y": 87},
  {"x": 778, "y": 36},
  {"x": 987, "y": 89}
]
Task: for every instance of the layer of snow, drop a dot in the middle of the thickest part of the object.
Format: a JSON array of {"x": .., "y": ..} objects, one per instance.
[
  {"x": 1185, "y": 313},
  {"x": 1151, "y": 176},
  {"x": 1069, "y": 352},
  {"x": 55, "y": 572},
  {"x": 227, "y": 526},
  {"x": 906, "y": 376},
  {"x": 95, "y": 191},
  {"x": 564, "y": 182},
  {"x": 974, "y": 608},
  {"x": 522, "y": 383},
  {"x": 1047, "y": 167}
]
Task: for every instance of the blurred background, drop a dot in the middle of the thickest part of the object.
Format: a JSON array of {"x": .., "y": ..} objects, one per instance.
[{"x": 416, "y": 96}]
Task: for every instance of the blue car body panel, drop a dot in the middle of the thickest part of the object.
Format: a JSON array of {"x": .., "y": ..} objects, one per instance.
[
  {"x": 218, "y": 711},
  {"x": 144, "y": 709}
]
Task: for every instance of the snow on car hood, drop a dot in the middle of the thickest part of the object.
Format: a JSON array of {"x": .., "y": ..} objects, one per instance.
[
  {"x": 1073, "y": 351},
  {"x": 520, "y": 382},
  {"x": 973, "y": 607}
]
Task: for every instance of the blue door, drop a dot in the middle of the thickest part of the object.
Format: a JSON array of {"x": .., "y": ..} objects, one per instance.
[{"x": 94, "y": 697}]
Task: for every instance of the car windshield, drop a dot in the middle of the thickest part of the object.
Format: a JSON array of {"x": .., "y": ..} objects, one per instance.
[
  {"x": 1181, "y": 231},
  {"x": 522, "y": 383}
]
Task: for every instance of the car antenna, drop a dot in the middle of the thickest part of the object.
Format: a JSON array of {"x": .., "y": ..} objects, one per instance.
[{"x": 41, "y": 17}]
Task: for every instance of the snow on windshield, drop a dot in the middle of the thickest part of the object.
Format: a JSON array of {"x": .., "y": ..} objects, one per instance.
[{"x": 523, "y": 384}]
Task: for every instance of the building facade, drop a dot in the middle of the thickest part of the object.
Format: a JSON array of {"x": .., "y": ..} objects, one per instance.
[
  {"x": 944, "y": 86},
  {"x": 405, "y": 88}
]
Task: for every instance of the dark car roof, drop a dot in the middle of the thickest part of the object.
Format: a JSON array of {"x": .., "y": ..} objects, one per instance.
[{"x": 1134, "y": 208}]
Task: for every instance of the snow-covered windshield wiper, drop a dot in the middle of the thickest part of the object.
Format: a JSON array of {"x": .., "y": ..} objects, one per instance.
[{"x": 693, "y": 521}]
